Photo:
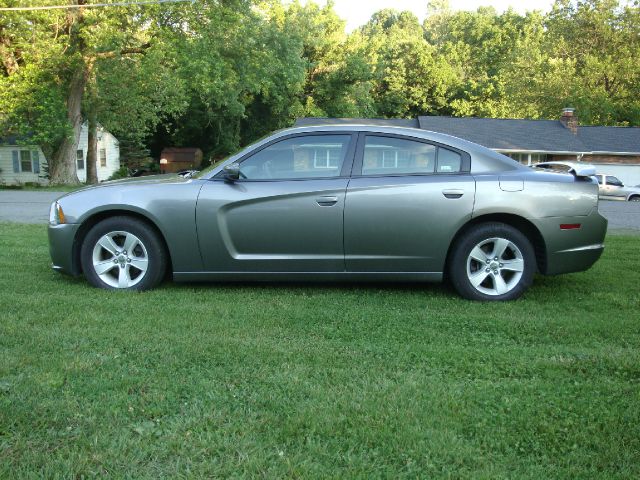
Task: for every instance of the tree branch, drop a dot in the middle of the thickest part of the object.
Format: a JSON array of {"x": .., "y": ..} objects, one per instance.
[
  {"x": 7, "y": 55},
  {"x": 125, "y": 51}
]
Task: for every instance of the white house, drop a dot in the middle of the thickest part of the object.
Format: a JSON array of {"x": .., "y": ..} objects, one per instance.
[
  {"x": 27, "y": 164},
  {"x": 21, "y": 164},
  {"x": 108, "y": 154}
]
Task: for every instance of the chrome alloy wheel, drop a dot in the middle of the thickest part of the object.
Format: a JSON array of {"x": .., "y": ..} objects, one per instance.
[
  {"x": 495, "y": 266},
  {"x": 120, "y": 259}
]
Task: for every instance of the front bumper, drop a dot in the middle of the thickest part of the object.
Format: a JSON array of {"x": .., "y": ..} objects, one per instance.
[
  {"x": 572, "y": 250},
  {"x": 61, "y": 248}
]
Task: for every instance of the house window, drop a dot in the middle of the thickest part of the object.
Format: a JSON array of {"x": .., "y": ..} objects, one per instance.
[
  {"x": 393, "y": 156},
  {"x": 523, "y": 158},
  {"x": 538, "y": 158},
  {"x": 25, "y": 161},
  {"x": 328, "y": 157},
  {"x": 80, "y": 159},
  {"x": 308, "y": 156},
  {"x": 389, "y": 158},
  {"x": 103, "y": 157}
]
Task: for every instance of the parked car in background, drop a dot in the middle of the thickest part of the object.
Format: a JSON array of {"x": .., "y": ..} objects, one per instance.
[
  {"x": 609, "y": 187},
  {"x": 187, "y": 173},
  {"x": 334, "y": 203},
  {"x": 613, "y": 189}
]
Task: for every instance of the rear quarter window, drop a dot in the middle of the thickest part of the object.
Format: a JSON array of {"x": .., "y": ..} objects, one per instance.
[{"x": 448, "y": 161}]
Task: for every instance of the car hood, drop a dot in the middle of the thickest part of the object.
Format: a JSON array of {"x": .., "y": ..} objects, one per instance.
[{"x": 131, "y": 182}]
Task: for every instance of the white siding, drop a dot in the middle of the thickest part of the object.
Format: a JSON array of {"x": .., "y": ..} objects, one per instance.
[
  {"x": 105, "y": 140},
  {"x": 110, "y": 144},
  {"x": 7, "y": 174}
]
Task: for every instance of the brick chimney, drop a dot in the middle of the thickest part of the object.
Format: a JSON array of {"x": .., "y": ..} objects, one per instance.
[{"x": 569, "y": 119}]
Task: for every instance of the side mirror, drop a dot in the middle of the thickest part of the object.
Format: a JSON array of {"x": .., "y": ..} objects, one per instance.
[{"x": 232, "y": 171}]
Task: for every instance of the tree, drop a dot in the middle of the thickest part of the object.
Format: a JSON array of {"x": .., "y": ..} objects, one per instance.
[
  {"x": 478, "y": 45},
  {"x": 600, "y": 40},
  {"x": 74, "y": 49},
  {"x": 410, "y": 77},
  {"x": 234, "y": 59}
]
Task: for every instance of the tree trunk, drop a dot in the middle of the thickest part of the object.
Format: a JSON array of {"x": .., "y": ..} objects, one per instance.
[
  {"x": 63, "y": 165},
  {"x": 7, "y": 55},
  {"x": 92, "y": 142},
  {"x": 62, "y": 168}
]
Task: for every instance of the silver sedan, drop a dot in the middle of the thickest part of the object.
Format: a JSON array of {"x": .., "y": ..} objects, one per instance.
[
  {"x": 335, "y": 203},
  {"x": 612, "y": 188}
]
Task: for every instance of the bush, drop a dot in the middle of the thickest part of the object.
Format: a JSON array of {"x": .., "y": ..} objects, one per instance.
[{"x": 122, "y": 172}]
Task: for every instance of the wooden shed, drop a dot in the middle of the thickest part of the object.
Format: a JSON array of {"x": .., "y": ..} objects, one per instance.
[{"x": 177, "y": 159}]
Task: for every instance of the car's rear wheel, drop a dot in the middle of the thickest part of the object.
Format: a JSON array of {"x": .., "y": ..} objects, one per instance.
[
  {"x": 492, "y": 261},
  {"x": 123, "y": 253},
  {"x": 634, "y": 198}
]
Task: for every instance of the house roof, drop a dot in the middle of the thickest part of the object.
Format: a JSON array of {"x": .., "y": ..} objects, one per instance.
[
  {"x": 610, "y": 139},
  {"x": 392, "y": 122},
  {"x": 506, "y": 134},
  {"x": 11, "y": 140}
]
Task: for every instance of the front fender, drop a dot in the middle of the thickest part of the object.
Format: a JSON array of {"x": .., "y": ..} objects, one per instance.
[{"x": 170, "y": 207}]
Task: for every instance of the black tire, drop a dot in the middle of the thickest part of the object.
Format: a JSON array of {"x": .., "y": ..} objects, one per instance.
[
  {"x": 488, "y": 237},
  {"x": 147, "y": 250},
  {"x": 634, "y": 198}
]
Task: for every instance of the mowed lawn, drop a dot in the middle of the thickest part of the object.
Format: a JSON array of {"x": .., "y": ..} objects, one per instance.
[{"x": 313, "y": 381}]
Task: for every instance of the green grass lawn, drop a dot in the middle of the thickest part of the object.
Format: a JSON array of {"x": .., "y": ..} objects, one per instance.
[{"x": 317, "y": 380}]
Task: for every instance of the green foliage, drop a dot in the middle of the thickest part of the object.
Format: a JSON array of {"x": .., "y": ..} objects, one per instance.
[
  {"x": 122, "y": 172},
  {"x": 32, "y": 101},
  {"x": 235, "y": 60}
]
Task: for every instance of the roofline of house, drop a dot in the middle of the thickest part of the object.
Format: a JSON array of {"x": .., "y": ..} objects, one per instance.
[
  {"x": 15, "y": 145},
  {"x": 554, "y": 152},
  {"x": 628, "y": 154}
]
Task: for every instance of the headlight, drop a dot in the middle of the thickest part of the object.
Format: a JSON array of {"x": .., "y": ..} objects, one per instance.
[{"x": 56, "y": 215}]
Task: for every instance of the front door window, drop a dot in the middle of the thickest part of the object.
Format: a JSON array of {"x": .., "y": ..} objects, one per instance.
[{"x": 305, "y": 157}]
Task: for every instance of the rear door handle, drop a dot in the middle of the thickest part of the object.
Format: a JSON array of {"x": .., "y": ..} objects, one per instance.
[
  {"x": 326, "y": 201},
  {"x": 452, "y": 193}
]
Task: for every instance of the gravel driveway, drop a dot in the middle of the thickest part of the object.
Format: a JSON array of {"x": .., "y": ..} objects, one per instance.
[{"x": 33, "y": 207}]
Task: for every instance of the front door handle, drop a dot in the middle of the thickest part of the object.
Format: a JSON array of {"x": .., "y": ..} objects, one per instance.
[
  {"x": 452, "y": 193},
  {"x": 326, "y": 201}
]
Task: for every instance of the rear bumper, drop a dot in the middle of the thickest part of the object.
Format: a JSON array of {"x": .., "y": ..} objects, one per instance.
[
  {"x": 61, "y": 238},
  {"x": 574, "y": 260},
  {"x": 572, "y": 250}
]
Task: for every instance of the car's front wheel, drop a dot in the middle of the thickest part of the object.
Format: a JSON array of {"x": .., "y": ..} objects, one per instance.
[
  {"x": 123, "y": 253},
  {"x": 492, "y": 261}
]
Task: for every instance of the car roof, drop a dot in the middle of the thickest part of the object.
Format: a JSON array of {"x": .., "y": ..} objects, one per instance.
[{"x": 376, "y": 128}]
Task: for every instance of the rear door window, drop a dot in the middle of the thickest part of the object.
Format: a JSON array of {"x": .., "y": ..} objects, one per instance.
[{"x": 384, "y": 155}]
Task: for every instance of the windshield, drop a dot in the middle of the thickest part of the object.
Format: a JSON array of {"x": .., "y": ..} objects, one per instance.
[{"x": 217, "y": 163}]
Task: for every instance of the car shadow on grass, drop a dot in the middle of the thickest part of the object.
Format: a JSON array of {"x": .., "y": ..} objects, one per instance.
[{"x": 543, "y": 286}]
